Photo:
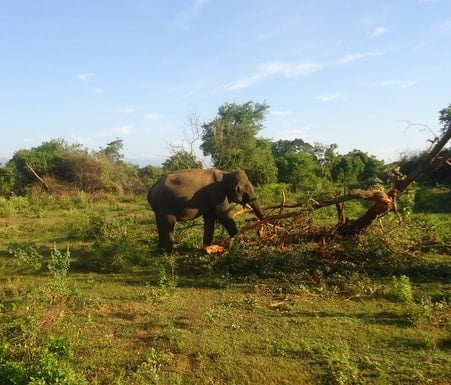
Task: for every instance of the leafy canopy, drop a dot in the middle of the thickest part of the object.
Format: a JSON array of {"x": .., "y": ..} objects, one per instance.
[{"x": 230, "y": 139}]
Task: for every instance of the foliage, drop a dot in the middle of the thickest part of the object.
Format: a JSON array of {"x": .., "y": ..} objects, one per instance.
[
  {"x": 59, "y": 164},
  {"x": 356, "y": 166},
  {"x": 181, "y": 160},
  {"x": 117, "y": 245},
  {"x": 27, "y": 257},
  {"x": 7, "y": 180},
  {"x": 402, "y": 289},
  {"x": 113, "y": 150},
  {"x": 150, "y": 174},
  {"x": 260, "y": 166},
  {"x": 445, "y": 117},
  {"x": 300, "y": 170},
  {"x": 230, "y": 139}
]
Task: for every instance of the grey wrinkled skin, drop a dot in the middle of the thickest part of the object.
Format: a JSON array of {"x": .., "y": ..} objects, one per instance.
[{"x": 188, "y": 194}]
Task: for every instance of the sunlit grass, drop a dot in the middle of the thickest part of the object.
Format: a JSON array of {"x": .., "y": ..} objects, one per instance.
[{"x": 258, "y": 315}]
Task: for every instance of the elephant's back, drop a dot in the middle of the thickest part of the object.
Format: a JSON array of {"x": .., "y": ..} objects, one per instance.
[
  {"x": 184, "y": 185},
  {"x": 191, "y": 179}
]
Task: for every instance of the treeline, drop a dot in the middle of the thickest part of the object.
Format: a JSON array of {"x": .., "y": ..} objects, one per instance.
[{"x": 230, "y": 141}]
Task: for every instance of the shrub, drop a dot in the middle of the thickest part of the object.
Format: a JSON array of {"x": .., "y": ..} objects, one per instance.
[{"x": 402, "y": 289}]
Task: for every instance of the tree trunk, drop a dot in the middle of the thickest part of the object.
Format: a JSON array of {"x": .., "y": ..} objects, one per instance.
[{"x": 386, "y": 202}]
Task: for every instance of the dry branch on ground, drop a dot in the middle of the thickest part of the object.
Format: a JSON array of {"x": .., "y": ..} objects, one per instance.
[{"x": 271, "y": 226}]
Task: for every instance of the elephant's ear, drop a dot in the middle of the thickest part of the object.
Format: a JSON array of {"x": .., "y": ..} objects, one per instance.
[
  {"x": 239, "y": 193},
  {"x": 232, "y": 187}
]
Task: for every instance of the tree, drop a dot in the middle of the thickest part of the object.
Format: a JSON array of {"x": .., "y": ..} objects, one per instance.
[
  {"x": 300, "y": 169},
  {"x": 7, "y": 180},
  {"x": 355, "y": 166},
  {"x": 261, "y": 163},
  {"x": 445, "y": 117},
  {"x": 180, "y": 160},
  {"x": 113, "y": 150},
  {"x": 281, "y": 147},
  {"x": 230, "y": 138}
]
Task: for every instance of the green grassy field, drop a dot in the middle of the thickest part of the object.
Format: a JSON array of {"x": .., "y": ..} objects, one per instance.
[{"x": 86, "y": 299}]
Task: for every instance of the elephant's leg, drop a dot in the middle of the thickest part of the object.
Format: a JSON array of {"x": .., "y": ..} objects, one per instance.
[
  {"x": 229, "y": 224},
  {"x": 209, "y": 228},
  {"x": 171, "y": 220},
  {"x": 165, "y": 225}
]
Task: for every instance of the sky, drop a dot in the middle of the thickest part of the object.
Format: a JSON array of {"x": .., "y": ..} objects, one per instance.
[{"x": 362, "y": 74}]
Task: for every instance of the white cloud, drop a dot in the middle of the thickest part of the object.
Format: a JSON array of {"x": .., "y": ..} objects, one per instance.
[
  {"x": 378, "y": 31},
  {"x": 358, "y": 56},
  {"x": 84, "y": 76},
  {"x": 154, "y": 116},
  {"x": 331, "y": 97},
  {"x": 396, "y": 83},
  {"x": 266, "y": 70}
]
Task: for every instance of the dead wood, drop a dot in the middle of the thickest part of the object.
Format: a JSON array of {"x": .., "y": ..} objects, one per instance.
[
  {"x": 38, "y": 178},
  {"x": 384, "y": 202}
]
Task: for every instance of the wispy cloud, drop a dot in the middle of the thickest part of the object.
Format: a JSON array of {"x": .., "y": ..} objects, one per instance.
[
  {"x": 186, "y": 16},
  {"x": 359, "y": 56},
  {"x": 122, "y": 130},
  {"x": 446, "y": 25},
  {"x": 279, "y": 113},
  {"x": 127, "y": 110},
  {"x": 396, "y": 83},
  {"x": 378, "y": 31},
  {"x": 154, "y": 116},
  {"x": 84, "y": 76},
  {"x": 331, "y": 97},
  {"x": 293, "y": 133},
  {"x": 275, "y": 68}
]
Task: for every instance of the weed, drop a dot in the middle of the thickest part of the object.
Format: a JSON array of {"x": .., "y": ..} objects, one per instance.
[
  {"x": 340, "y": 369},
  {"x": 167, "y": 274},
  {"x": 402, "y": 289},
  {"x": 27, "y": 256}
]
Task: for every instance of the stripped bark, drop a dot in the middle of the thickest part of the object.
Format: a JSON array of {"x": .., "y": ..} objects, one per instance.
[
  {"x": 387, "y": 202},
  {"x": 383, "y": 202},
  {"x": 38, "y": 178}
]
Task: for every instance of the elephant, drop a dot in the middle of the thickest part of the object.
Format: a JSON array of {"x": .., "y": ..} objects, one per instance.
[{"x": 187, "y": 194}]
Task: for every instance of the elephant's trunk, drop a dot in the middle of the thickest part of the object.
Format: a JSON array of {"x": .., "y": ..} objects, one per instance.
[{"x": 257, "y": 209}]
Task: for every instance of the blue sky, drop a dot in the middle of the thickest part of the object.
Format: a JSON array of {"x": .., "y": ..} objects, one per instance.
[{"x": 350, "y": 72}]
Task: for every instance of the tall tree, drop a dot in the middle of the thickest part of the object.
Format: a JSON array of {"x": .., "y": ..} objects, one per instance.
[
  {"x": 113, "y": 150},
  {"x": 230, "y": 137}
]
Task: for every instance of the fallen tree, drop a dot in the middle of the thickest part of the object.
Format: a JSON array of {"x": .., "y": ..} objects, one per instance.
[{"x": 384, "y": 202}]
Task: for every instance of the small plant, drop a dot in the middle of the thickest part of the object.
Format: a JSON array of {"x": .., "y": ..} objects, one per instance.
[
  {"x": 59, "y": 263},
  {"x": 59, "y": 266},
  {"x": 27, "y": 257},
  {"x": 402, "y": 289},
  {"x": 116, "y": 255},
  {"x": 340, "y": 369},
  {"x": 167, "y": 272}
]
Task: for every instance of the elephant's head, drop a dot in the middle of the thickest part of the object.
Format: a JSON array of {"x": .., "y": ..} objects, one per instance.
[{"x": 240, "y": 190}]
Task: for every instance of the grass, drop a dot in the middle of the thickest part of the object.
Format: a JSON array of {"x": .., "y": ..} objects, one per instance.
[{"x": 256, "y": 316}]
